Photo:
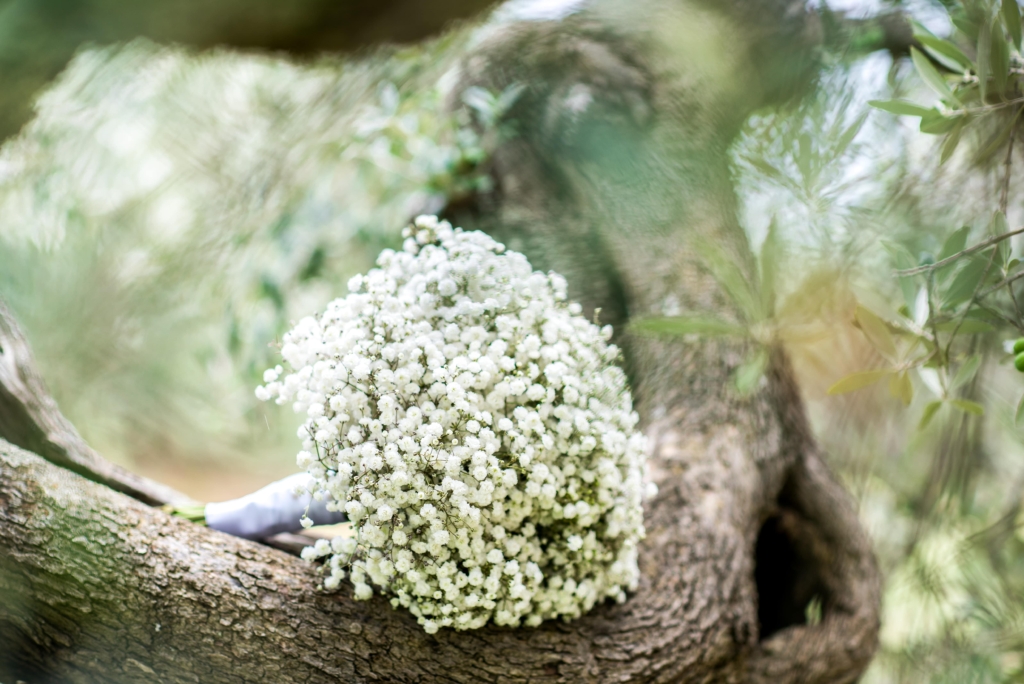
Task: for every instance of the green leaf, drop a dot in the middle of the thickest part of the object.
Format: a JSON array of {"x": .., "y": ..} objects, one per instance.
[
  {"x": 1000, "y": 57},
  {"x": 929, "y": 412},
  {"x": 932, "y": 78},
  {"x": 996, "y": 141},
  {"x": 952, "y": 140},
  {"x": 766, "y": 168},
  {"x": 848, "y": 136},
  {"x": 480, "y": 99},
  {"x": 728, "y": 274},
  {"x": 677, "y": 326},
  {"x": 805, "y": 158},
  {"x": 944, "y": 51},
  {"x": 900, "y": 255},
  {"x": 901, "y": 107},
  {"x": 1020, "y": 411},
  {"x": 967, "y": 370},
  {"x": 195, "y": 512},
  {"x": 856, "y": 381},
  {"x": 749, "y": 373},
  {"x": 956, "y": 242},
  {"x": 769, "y": 263},
  {"x": 968, "y": 406},
  {"x": 876, "y": 331},
  {"x": 509, "y": 96},
  {"x": 984, "y": 59},
  {"x": 813, "y": 611},
  {"x": 1011, "y": 18},
  {"x": 966, "y": 23},
  {"x": 937, "y": 124},
  {"x": 993, "y": 144},
  {"x": 902, "y": 259},
  {"x": 901, "y": 388},
  {"x": 966, "y": 282}
]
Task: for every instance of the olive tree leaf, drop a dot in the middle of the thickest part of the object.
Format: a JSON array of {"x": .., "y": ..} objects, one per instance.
[
  {"x": 937, "y": 123},
  {"x": 749, "y": 373},
  {"x": 999, "y": 61},
  {"x": 984, "y": 59},
  {"x": 728, "y": 274},
  {"x": 900, "y": 255},
  {"x": 848, "y": 136},
  {"x": 805, "y": 159},
  {"x": 876, "y": 331},
  {"x": 952, "y": 140},
  {"x": 922, "y": 308},
  {"x": 967, "y": 24},
  {"x": 966, "y": 371},
  {"x": 930, "y": 75},
  {"x": 901, "y": 388},
  {"x": 944, "y": 52},
  {"x": 902, "y": 259},
  {"x": 769, "y": 262},
  {"x": 1011, "y": 18},
  {"x": 968, "y": 406},
  {"x": 677, "y": 326},
  {"x": 965, "y": 282},
  {"x": 901, "y": 107},
  {"x": 1019, "y": 412},
  {"x": 765, "y": 168},
  {"x": 508, "y": 97},
  {"x": 994, "y": 143},
  {"x": 479, "y": 98},
  {"x": 856, "y": 381},
  {"x": 929, "y": 412},
  {"x": 956, "y": 242}
]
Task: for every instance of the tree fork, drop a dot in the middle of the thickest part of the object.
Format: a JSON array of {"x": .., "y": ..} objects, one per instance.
[{"x": 101, "y": 588}]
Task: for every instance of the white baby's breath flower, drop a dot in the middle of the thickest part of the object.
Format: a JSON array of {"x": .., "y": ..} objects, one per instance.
[{"x": 477, "y": 433}]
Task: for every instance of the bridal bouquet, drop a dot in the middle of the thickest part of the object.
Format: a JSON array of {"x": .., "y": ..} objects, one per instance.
[{"x": 476, "y": 431}]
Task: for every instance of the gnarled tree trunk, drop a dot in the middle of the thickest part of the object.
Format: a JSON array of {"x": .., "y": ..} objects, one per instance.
[{"x": 617, "y": 176}]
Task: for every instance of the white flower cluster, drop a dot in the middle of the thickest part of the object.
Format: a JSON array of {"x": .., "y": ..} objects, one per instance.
[{"x": 476, "y": 431}]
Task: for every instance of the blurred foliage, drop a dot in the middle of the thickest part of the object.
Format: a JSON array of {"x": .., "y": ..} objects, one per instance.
[
  {"x": 910, "y": 304},
  {"x": 167, "y": 214}
]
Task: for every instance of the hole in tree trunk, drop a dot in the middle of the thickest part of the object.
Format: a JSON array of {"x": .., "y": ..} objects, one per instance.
[{"x": 788, "y": 558}]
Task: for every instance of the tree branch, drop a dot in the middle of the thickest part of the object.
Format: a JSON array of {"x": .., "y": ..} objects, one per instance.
[
  {"x": 100, "y": 588},
  {"x": 988, "y": 242},
  {"x": 29, "y": 418}
]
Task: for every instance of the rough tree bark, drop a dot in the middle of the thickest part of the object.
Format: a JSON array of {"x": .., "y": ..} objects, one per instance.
[{"x": 618, "y": 175}]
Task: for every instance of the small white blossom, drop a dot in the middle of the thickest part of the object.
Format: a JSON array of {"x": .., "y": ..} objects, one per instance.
[{"x": 476, "y": 431}]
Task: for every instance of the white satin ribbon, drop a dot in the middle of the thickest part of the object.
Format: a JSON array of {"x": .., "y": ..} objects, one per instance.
[{"x": 271, "y": 510}]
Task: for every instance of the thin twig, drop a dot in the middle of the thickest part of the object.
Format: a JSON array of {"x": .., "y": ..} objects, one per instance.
[
  {"x": 931, "y": 318},
  {"x": 1013, "y": 298},
  {"x": 1003, "y": 283},
  {"x": 994, "y": 240},
  {"x": 987, "y": 108},
  {"x": 1005, "y": 193},
  {"x": 998, "y": 314}
]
